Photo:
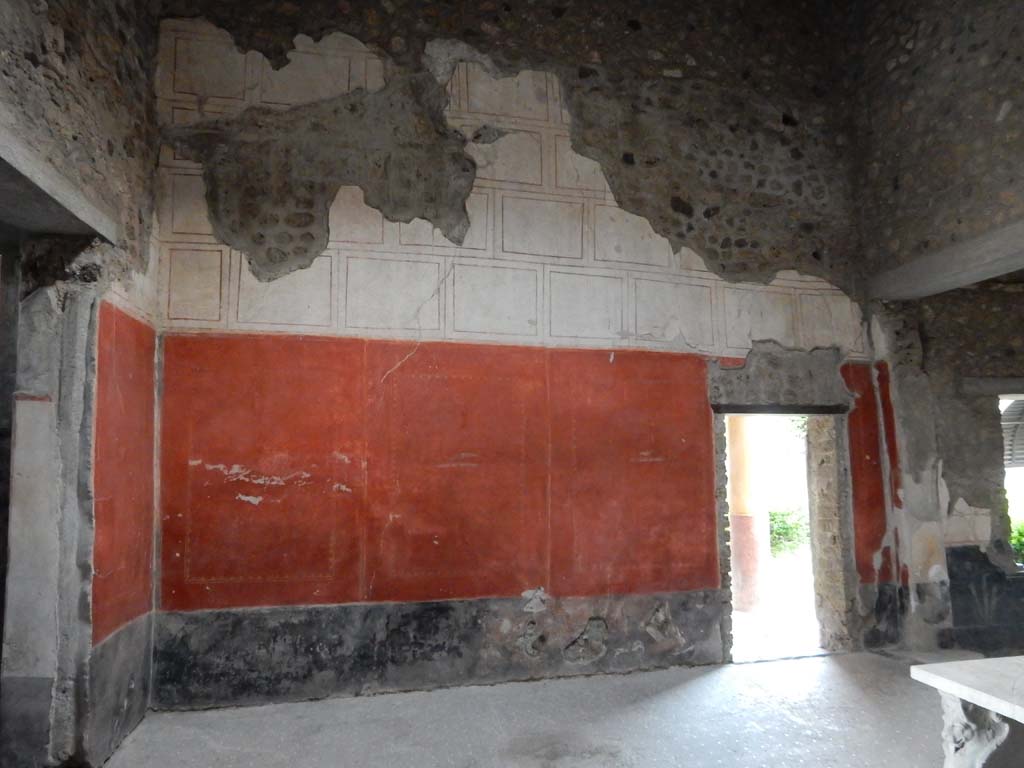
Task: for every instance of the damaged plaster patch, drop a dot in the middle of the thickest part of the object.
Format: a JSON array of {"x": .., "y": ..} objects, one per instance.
[
  {"x": 775, "y": 375},
  {"x": 590, "y": 645},
  {"x": 271, "y": 174},
  {"x": 48, "y": 259},
  {"x": 236, "y": 473},
  {"x": 488, "y": 134},
  {"x": 532, "y": 640},
  {"x": 536, "y": 600},
  {"x": 660, "y": 627},
  {"x": 749, "y": 195},
  {"x": 441, "y": 57},
  {"x": 722, "y": 135}
]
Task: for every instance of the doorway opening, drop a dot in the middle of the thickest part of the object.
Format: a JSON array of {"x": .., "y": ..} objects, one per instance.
[
  {"x": 784, "y": 535},
  {"x": 9, "y": 289},
  {"x": 1011, "y": 408}
]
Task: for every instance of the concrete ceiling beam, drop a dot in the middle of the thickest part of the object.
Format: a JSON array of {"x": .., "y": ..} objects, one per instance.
[
  {"x": 984, "y": 257},
  {"x": 36, "y": 198}
]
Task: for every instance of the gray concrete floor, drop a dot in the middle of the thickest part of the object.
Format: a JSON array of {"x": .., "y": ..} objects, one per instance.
[{"x": 850, "y": 710}]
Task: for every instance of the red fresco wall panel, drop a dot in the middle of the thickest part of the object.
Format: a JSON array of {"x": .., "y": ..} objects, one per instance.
[
  {"x": 263, "y": 459},
  {"x": 300, "y": 471},
  {"x": 632, "y": 477},
  {"x": 869, "y": 518},
  {"x": 457, "y": 446},
  {"x": 122, "y": 471}
]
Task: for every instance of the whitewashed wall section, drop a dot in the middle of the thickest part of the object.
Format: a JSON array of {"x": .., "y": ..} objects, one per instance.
[
  {"x": 549, "y": 259},
  {"x": 138, "y": 293}
]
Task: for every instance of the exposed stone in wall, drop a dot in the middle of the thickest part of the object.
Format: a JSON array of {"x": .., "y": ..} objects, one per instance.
[
  {"x": 940, "y": 122},
  {"x": 47, "y": 259},
  {"x": 972, "y": 333},
  {"x": 831, "y": 541},
  {"x": 950, "y": 443},
  {"x": 749, "y": 190},
  {"x": 720, "y": 133},
  {"x": 271, "y": 175},
  {"x": 75, "y": 85},
  {"x": 724, "y": 535},
  {"x": 778, "y": 377}
]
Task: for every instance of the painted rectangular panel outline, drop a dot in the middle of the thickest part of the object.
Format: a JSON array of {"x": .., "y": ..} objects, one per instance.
[
  {"x": 574, "y": 417},
  {"x": 537, "y": 306},
  {"x": 174, "y": 205},
  {"x": 850, "y": 327},
  {"x": 284, "y": 587},
  {"x": 558, "y": 137},
  {"x": 539, "y": 184},
  {"x": 367, "y": 63},
  {"x": 179, "y": 107},
  {"x": 447, "y": 245},
  {"x": 331, "y": 535},
  {"x": 469, "y": 69},
  {"x": 708, "y": 287},
  {"x": 578, "y": 203},
  {"x": 551, "y": 304},
  {"x": 330, "y": 299},
  {"x": 576, "y": 565},
  {"x": 561, "y": 114},
  {"x": 396, "y": 482},
  {"x": 644, "y": 264},
  {"x": 331, "y": 238},
  {"x": 220, "y": 282},
  {"x": 454, "y": 90},
  {"x": 488, "y": 227},
  {"x": 439, "y": 281},
  {"x": 329, "y": 54},
  {"x": 404, "y": 227},
  {"x": 178, "y": 38},
  {"x": 762, "y": 291}
]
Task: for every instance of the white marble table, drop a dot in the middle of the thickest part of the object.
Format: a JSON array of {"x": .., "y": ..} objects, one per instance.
[{"x": 983, "y": 709}]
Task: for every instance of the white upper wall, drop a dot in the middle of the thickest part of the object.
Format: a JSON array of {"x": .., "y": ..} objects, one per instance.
[{"x": 549, "y": 259}]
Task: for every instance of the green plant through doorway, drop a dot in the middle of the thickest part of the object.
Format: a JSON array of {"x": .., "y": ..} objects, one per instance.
[
  {"x": 788, "y": 531},
  {"x": 1017, "y": 540}
]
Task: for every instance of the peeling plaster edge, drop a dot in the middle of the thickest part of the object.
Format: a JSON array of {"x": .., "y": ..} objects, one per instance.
[{"x": 441, "y": 65}]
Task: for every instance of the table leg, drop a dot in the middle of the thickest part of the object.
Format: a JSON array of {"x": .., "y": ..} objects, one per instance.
[{"x": 970, "y": 734}]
